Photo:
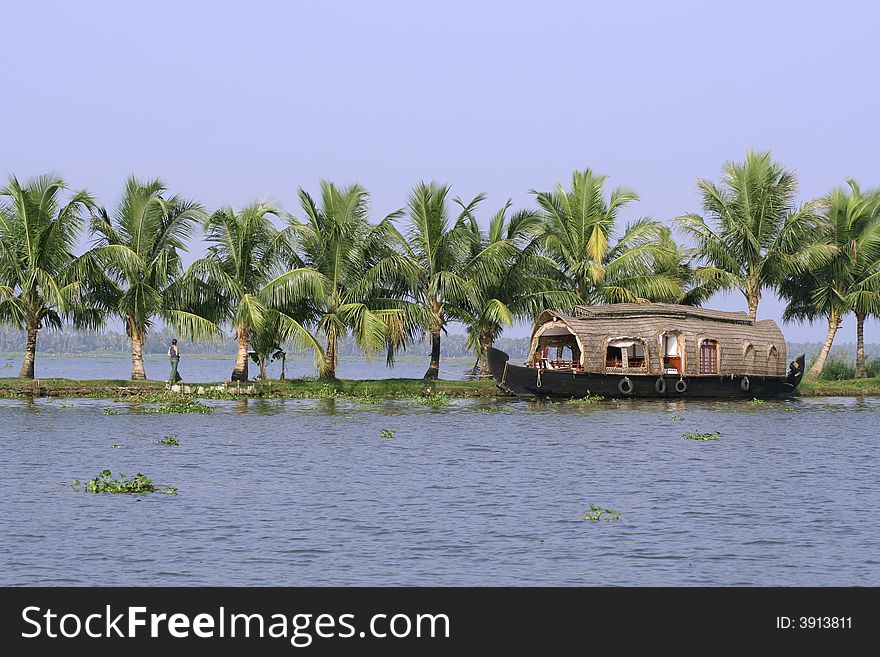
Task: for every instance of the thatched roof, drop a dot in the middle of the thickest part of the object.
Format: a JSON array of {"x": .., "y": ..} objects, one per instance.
[
  {"x": 744, "y": 346},
  {"x": 659, "y": 310}
]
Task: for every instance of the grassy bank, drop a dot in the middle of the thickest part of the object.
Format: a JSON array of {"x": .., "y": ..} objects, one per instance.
[
  {"x": 842, "y": 388},
  {"x": 363, "y": 389},
  {"x": 296, "y": 388}
]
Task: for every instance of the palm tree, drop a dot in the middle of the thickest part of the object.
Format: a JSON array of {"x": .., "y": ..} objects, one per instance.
[
  {"x": 508, "y": 280},
  {"x": 341, "y": 281},
  {"x": 246, "y": 252},
  {"x": 39, "y": 274},
  {"x": 266, "y": 345},
  {"x": 698, "y": 284},
  {"x": 577, "y": 233},
  {"x": 436, "y": 254},
  {"x": 753, "y": 236},
  {"x": 138, "y": 248},
  {"x": 850, "y": 280}
]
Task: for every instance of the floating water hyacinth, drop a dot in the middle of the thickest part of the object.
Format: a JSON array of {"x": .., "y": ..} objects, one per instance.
[
  {"x": 701, "y": 436},
  {"x": 601, "y": 513},
  {"x": 107, "y": 483}
]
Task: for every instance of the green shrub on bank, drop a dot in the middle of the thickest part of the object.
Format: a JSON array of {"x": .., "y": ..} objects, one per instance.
[{"x": 840, "y": 370}]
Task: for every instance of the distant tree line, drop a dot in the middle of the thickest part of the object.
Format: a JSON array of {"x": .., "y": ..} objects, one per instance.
[
  {"x": 329, "y": 277},
  {"x": 72, "y": 342}
]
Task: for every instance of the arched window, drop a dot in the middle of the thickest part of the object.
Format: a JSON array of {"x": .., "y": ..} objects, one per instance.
[
  {"x": 749, "y": 357},
  {"x": 709, "y": 357},
  {"x": 773, "y": 359}
]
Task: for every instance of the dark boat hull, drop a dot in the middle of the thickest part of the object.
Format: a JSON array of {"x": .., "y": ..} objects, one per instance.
[{"x": 530, "y": 382}]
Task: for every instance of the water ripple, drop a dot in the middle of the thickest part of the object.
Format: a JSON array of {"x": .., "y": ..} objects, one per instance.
[{"x": 307, "y": 493}]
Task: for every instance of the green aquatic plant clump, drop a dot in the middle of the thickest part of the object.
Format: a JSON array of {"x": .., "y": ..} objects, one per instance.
[
  {"x": 690, "y": 435},
  {"x": 589, "y": 399},
  {"x": 365, "y": 396},
  {"x": 189, "y": 406},
  {"x": 387, "y": 433},
  {"x": 756, "y": 402},
  {"x": 107, "y": 483},
  {"x": 433, "y": 399},
  {"x": 169, "y": 440},
  {"x": 111, "y": 411},
  {"x": 146, "y": 397},
  {"x": 600, "y": 513}
]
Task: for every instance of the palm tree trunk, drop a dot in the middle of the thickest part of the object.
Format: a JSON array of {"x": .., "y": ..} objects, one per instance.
[
  {"x": 861, "y": 371},
  {"x": 819, "y": 365},
  {"x": 137, "y": 352},
  {"x": 753, "y": 307},
  {"x": 433, "y": 372},
  {"x": 263, "y": 375},
  {"x": 240, "y": 371},
  {"x": 30, "y": 353},
  {"x": 283, "y": 363},
  {"x": 486, "y": 342},
  {"x": 331, "y": 357}
]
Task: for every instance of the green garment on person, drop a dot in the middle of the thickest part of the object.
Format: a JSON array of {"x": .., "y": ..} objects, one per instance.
[{"x": 175, "y": 377}]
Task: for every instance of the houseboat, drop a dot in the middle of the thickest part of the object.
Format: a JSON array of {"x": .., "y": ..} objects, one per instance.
[{"x": 651, "y": 350}]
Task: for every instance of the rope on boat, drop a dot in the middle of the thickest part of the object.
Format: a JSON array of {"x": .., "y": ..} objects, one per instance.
[
  {"x": 504, "y": 373},
  {"x": 539, "y": 377}
]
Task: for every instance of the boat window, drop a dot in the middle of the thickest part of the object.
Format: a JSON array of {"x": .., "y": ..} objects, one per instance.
[
  {"x": 625, "y": 354},
  {"x": 773, "y": 359},
  {"x": 749, "y": 357},
  {"x": 709, "y": 357}
]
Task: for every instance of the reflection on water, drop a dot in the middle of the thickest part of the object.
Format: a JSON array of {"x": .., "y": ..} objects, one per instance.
[{"x": 489, "y": 491}]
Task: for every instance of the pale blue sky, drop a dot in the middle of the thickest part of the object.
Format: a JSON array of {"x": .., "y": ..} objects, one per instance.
[{"x": 232, "y": 101}]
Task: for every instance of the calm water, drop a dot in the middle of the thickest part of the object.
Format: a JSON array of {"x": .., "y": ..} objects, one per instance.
[
  {"x": 214, "y": 368},
  {"x": 308, "y": 493}
]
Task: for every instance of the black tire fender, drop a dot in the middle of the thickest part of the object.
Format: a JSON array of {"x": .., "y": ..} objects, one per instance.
[{"x": 625, "y": 386}]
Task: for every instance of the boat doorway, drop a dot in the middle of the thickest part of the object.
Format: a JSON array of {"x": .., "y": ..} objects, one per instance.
[
  {"x": 556, "y": 347},
  {"x": 672, "y": 348}
]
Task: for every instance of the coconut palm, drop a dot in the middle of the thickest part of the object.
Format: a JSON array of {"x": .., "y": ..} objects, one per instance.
[
  {"x": 246, "y": 252},
  {"x": 341, "y": 279},
  {"x": 698, "y": 284},
  {"x": 139, "y": 249},
  {"x": 40, "y": 281},
  {"x": 508, "y": 279},
  {"x": 266, "y": 344},
  {"x": 436, "y": 254},
  {"x": 752, "y": 236},
  {"x": 578, "y": 230},
  {"x": 850, "y": 280}
]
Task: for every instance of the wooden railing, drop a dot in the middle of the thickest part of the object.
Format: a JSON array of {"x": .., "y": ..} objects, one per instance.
[{"x": 557, "y": 364}]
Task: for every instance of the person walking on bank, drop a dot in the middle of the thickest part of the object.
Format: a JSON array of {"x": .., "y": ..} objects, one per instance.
[{"x": 174, "y": 355}]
